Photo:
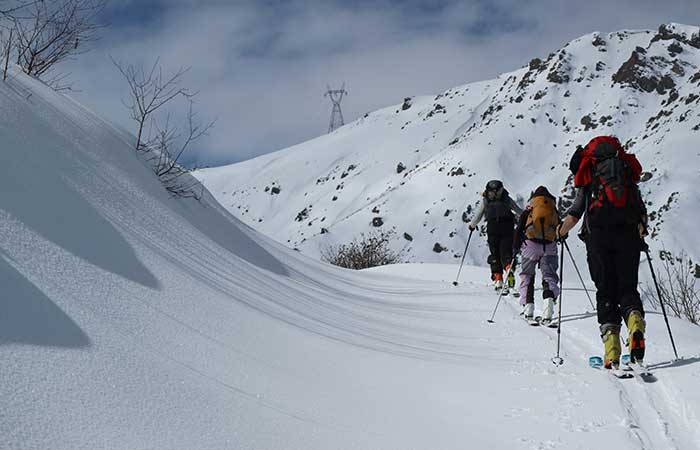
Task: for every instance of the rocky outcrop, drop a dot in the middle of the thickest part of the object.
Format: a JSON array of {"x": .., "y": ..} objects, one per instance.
[
  {"x": 667, "y": 33},
  {"x": 643, "y": 74}
]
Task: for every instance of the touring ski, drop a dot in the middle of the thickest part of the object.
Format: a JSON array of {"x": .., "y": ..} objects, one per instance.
[
  {"x": 641, "y": 371},
  {"x": 532, "y": 321}
]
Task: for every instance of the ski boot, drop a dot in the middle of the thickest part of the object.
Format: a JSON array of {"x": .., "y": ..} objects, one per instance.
[
  {"x": 498, "y": 281},
  {"x": 529, "y": 311},
  {"x": 510, "y": 281},
  {"x": 547, "y": 310},
  {"x": 636, "y": 328},
  {"x": 613, "y": 349}
]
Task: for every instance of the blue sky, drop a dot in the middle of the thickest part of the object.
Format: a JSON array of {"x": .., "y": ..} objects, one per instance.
[{"x": 261, "y": 66}]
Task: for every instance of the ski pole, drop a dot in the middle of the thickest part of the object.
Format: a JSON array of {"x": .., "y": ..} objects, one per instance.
[
  {"x": 661, "y": 301},
  {"x": 512, "y": 266},
  {"x": 579, "y": 275},
  {"x": 558, "y": 360},
  {"x": 456, "y": 281}
]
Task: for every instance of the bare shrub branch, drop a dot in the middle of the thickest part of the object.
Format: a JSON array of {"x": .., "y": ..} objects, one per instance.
[
  {"x": 367, "y": 250},
  {"x": 8, "y": 8},
  {"x": 51, "y": 32},
  {"x": 149, "y": 92},
  {"x": 168, "y": 137},
  {"x": 678, "y": 280},
  {"x": 7, "y": 49}
]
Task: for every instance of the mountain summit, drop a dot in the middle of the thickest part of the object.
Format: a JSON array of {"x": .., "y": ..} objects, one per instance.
[{"x": 418, "y": 168}]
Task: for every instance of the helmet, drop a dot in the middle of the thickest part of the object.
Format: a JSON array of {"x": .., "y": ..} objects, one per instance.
[
  {"x": 494, "y": 190},
  {"x": 494, "y": 185}
]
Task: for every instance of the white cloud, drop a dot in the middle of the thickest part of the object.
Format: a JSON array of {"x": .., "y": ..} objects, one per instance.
[{"x": 261, "y": 68}]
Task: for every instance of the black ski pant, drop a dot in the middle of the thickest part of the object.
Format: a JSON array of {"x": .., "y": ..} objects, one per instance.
[
  {"x": 500, "y": 239},
  {"x": 613, "y": 260},
  {"x": 546, "y": 293}
]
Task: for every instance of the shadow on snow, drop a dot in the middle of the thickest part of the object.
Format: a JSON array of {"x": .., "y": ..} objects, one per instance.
[{"x": 29, "y": 317}]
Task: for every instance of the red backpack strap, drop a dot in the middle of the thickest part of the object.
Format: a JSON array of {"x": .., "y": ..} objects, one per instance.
[
  {"x": 633, "y": 164},
  {"x": 584, "y": 175}
]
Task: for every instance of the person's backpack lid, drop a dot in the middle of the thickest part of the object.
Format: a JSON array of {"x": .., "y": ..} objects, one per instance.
[{"x": 541, "y": 191}]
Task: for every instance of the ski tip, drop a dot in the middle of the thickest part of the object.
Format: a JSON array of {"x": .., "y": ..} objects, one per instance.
[{"x": 595, "y": 362}]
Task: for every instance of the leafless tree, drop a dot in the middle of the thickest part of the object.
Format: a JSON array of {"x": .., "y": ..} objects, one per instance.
[
  {"x": 49, "y": 32},
  {"x": 168, "y": 138},
  {"x": 369, "y": 250},
  {"x": 678, "y": 283},
  {"x": 168, "y": 145},
  {"x": 8, "y": 9},
  {"x": 149, "y": 92}
]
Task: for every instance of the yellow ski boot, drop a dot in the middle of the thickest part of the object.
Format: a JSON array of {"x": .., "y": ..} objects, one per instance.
[
  {"x": 613, "y": 349},
  {"x": 511, "y": 280},
  {"x": 636, "y": 327}
]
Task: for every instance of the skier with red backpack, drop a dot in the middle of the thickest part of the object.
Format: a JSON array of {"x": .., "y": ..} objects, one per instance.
[
  {"x": 499, "y": 209},
  {"x": 614, "y": 224},
  {"x": 535, "y": 239}
]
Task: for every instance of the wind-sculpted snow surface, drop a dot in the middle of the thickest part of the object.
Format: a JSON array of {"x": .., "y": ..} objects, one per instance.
[
  {"x": 133, "y": 320},
  {"x": 418, "y": 169}
]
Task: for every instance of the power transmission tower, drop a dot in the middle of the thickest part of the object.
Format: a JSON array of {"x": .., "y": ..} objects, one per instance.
[{"x": 336, "y": 96}]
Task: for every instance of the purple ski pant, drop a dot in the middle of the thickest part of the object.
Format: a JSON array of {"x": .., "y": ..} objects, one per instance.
[{"x": 546, "y": 254}]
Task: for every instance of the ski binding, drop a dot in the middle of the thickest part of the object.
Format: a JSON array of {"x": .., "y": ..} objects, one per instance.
[{"x": 549, "y": 323}]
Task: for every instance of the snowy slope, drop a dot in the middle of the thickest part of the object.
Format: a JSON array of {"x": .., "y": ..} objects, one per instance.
[
  {"x": 521, "y": 127},
  {"x": 131, "y": 320}
]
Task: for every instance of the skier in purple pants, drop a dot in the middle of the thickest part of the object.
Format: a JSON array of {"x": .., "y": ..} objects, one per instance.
[{"x": 535, "y": 240}]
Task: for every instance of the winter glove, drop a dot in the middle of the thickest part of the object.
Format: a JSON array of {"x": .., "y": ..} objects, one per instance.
[
  {"x": 643, "y": 246},
  {"x": 561, "y": 238},
  {"x": 643, "y": 228}
]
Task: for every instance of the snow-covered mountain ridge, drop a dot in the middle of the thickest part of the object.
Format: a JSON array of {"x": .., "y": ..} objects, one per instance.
[{"x": 414, "y": 168}]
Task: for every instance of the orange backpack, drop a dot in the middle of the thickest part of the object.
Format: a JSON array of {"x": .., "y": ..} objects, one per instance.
[{"x": 543, "y": 219}]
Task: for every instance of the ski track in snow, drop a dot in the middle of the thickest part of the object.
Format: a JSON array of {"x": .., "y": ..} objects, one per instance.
[{"x": 649, "y": 408}]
